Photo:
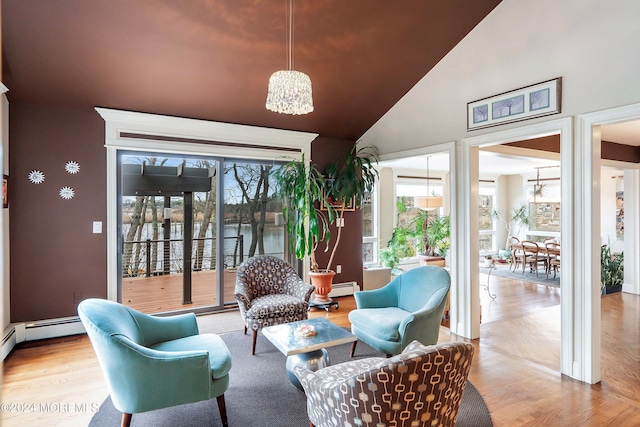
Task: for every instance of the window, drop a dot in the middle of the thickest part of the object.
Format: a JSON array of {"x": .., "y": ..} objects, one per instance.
[
  {"x": 370, "y": 240},
  {"x": 486, "y": 201}
]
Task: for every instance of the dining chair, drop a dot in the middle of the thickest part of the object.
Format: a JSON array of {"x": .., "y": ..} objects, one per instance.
[
  {"x": 532, "y": 256},
  {"x": 553, "y": 258},
  {"x": 517, "y": 256}
]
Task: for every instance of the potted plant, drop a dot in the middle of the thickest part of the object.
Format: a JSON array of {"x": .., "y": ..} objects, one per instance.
[
  {"x": 424, "y": 234},
  {"x": 303, "y": 189},
  {"x": 519, "y": 217},
  {"x": 611, "y": 270}
]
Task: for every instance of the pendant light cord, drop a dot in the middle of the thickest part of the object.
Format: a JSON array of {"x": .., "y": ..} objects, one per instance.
[{"x": 290, "y": 37}]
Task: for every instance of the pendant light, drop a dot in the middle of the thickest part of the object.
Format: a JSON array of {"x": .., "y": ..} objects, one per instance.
[
  {"x": 289, "y": 91},
  {"x": 428, "y": 202}
]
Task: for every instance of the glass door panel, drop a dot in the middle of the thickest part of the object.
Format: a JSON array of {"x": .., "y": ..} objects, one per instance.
[
  {"x": 168, "y": 229},
  {"x": 253, "y": 223}
]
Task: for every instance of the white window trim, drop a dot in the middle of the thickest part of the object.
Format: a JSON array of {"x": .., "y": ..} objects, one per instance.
[{"x": 277, "y": 144}]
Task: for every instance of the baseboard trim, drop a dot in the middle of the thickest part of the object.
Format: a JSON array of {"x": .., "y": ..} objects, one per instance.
[
  {"x": 343, "y": 289},
  {"x": 16, "y": 333}
]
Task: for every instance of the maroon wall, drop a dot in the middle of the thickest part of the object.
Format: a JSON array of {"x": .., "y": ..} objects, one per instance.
[
  {"x": 325, "y": 151},
  {"x": 55, "y": 257}
]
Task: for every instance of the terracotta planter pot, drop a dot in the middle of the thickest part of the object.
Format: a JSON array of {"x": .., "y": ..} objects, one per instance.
[{"x": 322, "y": 280}]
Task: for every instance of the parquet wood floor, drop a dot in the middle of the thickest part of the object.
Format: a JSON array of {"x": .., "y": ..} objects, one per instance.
[{"x": 515, "y": 367}]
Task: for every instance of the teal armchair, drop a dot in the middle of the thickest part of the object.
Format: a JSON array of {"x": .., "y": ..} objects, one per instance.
[
  {"x": 408, "y": 308},
  {"x": 152, "y": 362}
]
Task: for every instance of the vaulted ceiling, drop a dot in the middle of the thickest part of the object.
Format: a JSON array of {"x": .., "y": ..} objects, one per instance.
[{"x": 211, "y": 59}]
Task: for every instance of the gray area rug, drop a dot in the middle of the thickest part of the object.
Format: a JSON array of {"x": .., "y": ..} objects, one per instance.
[
  {"x": 504, "y": 271},
  {"x": 260, "y": 394}
]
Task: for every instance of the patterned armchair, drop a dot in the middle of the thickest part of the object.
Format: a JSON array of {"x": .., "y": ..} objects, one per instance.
[
  {"x": 421, "y": 386},
  {"x": 269, "y": 292}
]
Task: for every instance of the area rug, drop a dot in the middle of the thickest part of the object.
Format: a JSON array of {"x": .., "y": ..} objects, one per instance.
[
  {"x": 260, "y": 394},
  {"x": 504, "y": 271}
]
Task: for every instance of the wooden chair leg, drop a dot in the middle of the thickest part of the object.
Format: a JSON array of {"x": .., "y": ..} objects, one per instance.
[
  {"x": 223, "y": 410},
  {"x": 311, "y": 425},
  {"x": 353, "y": 348},
  {"x": 254, "y": 337},
  {"x": 126, "y": 419}
]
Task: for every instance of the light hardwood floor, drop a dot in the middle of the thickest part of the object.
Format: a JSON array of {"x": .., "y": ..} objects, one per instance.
[{"x": 59, "y": 383}]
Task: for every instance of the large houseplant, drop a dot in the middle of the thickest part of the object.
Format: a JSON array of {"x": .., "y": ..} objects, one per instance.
[
  {"x": 303, "y": 190},
  {"x": 611, "y": 270},
  {"x": 424, "y": 234}
]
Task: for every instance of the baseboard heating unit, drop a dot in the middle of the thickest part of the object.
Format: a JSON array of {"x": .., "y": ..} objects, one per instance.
[
  {"x": 38, "y": 330},
  {"x": 343, "y": 289}
]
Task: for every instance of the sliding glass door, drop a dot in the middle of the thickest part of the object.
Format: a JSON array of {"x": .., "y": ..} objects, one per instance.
[{"x": 173, "y": 210}]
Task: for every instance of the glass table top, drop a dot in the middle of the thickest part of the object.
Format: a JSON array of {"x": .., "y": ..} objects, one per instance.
[{"x": 327, "y": 335}]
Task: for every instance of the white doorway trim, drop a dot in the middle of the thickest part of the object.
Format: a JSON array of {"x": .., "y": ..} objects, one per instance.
[
  {"x": 588, "y": 127},
  {"x": 460, "y": 295},
  {"x": 571, "y": 315}
]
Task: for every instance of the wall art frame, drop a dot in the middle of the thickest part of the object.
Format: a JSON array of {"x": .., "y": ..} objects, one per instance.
[
  {"x": 350, "y": 207},
  {"x": 537, "y": 100}
]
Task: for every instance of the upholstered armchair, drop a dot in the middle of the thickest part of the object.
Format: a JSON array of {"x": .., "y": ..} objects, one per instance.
[
  {"x": 152, "y": 362},
  {"x": 421, "y": 386},
  {"x": 408, "y": 308},
  {"x": 269, "y": 292}
]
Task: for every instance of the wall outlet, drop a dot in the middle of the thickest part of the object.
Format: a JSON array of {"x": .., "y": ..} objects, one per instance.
[
  {"x": 97, "y": 227},
  {"x": 338, "y": 269},
  {"x": 340, "y": 222}
]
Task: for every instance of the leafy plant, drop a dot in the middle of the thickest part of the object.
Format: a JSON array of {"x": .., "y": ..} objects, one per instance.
[
  {"x": 611, "y": 267},
  {"x": 350, "y": 180},
  {"x": 300, "y": 187},
  {"x": 303, "y": 188},
  {"x": 439, "y": 235},
  {"x": 425, "y": 233},
  {"x": 519, "y": 217},
  {"x": 400, "y": 246}
]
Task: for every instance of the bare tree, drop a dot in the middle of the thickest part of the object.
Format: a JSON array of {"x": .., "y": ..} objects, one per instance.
[
  {"x": 207, "y": 215},
  {"x": 255, "y": 181}
]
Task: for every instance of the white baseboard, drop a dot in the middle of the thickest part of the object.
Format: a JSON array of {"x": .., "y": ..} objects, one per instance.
[
  {"x": 343, "y": 289},
  {"x": 42, "y": 329}
]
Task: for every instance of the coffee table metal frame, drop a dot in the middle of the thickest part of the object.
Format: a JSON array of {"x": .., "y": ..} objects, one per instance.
[{"x": 307, "y": 351}]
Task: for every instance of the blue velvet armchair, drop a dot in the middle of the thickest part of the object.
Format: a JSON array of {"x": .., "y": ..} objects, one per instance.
[
  {"x": 408, "y": 308},
  {"x": 152, "y": 362}
]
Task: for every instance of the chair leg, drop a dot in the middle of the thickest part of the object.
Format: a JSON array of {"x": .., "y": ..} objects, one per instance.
[
  {"x": 311, "y": 425},
  {"x": 353, "y": 348},
  {"x": 223, "y": 410},
  {"x": 254, "y": 337},
  {"x": 245, "y": 329},
  {"x": 126, "y": 419}
]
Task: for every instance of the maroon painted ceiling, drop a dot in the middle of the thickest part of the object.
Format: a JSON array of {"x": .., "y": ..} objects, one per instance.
[{"x": 212, "y": 59}]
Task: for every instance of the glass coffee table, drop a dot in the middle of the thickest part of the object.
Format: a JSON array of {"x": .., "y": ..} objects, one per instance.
[{"x": 307, "y": 351}]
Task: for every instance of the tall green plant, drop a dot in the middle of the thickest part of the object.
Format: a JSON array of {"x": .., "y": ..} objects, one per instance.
[
  {"x": 348, "y": 180},
  {"x": 611, "y": 267},
  {"x": 300, "y": 186}
]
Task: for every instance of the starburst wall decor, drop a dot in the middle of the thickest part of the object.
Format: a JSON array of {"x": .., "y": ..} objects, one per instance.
[
  {"x": 72, "y": 167},
  {"x": 67, "y": 193},
  {"x": 36, "y": 176}
]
